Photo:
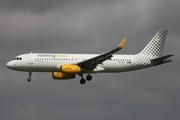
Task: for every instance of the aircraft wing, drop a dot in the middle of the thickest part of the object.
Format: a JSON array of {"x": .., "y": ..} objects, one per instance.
[{"x": 93, "y": 62}]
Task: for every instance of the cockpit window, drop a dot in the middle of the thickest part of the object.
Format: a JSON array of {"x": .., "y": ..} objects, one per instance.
[{"x": 17, "y": 58}]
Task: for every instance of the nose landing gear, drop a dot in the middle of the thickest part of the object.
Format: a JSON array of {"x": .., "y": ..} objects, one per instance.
[{"x": 29, "y": 79}]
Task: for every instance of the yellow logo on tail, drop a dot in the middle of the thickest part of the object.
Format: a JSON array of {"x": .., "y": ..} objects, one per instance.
[{"x": 157, "y": 39}]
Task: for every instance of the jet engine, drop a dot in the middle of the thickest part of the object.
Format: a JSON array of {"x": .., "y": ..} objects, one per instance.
[
  {"x": 62, "y": 76},
  {"x": 70, "y": 69}
]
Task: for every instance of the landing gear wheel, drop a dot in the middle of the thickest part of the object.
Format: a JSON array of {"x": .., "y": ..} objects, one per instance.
[
  {"x": 29, "y": 79},
  {"x": 89, "y": 78},
  {"x": 82, "y": 81}
]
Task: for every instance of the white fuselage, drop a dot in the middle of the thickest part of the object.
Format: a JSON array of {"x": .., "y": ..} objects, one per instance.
[
  {"x": 66, "y": 66},
  {"x": 49, "y": 62}
]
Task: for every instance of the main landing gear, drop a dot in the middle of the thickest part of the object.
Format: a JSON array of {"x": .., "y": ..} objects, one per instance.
[
  {"x": 88, "y": 78},
  {"x": 29, "y": 78}
]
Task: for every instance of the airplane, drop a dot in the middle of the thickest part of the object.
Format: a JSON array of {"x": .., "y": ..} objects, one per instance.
[{"x": 66, "y": 66}]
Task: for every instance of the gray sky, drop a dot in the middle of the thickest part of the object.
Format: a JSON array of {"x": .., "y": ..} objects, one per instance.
[{"x": 89, "y": 26}]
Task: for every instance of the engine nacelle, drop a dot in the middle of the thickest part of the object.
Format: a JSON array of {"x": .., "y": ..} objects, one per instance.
[
  {"x": 70, "y": 69},
  {"x": 62, "y": 76}
]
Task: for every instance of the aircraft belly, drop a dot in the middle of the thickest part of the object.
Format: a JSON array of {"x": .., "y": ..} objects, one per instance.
[
  {"x": 38, "y": 67},
  {"x": 45, "y": 67},
  {"x": 116, "y": 67}
]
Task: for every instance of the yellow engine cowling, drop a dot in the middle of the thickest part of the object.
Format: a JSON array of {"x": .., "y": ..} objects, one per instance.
[
  {"x": 62, "y": 76},
  {"x": 70, "y": 69}
]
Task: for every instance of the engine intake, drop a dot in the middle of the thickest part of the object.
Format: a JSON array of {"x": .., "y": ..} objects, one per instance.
[{"x": 62, "y": 76}]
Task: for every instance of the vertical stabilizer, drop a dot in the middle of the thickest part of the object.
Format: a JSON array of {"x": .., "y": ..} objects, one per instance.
[
  {"x": 156, "y": 45},
  {"x": 153, "y": 50}
]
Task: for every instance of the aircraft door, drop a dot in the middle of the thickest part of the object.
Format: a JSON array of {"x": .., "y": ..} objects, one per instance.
[{"x": 30, "y": 58}]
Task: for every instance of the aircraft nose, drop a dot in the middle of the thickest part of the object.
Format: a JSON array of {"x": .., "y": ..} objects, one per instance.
[{"x": 9, "y": 65}]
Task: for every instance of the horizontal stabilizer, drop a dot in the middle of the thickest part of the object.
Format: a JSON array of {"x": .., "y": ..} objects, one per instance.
[{"x": 162, "y": 60}]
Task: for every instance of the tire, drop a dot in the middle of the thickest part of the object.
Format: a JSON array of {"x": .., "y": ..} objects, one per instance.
[
  {"x": 89, "y": 78},
  {"x": 82, "y": 81},
  {"x": 29, "y": 79}
]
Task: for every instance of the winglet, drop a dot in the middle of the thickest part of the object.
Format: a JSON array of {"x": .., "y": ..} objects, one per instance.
[{"x": 121, "y": 45}]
